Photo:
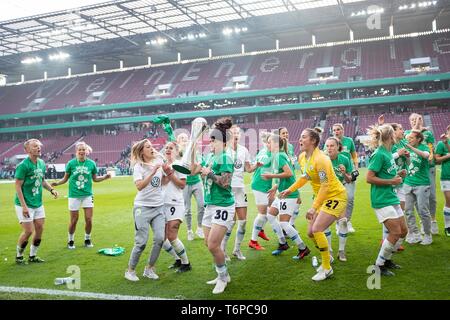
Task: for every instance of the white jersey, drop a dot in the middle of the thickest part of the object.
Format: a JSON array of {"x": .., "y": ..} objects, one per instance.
[
  {"x": 151, "y": 195},
  {"x": 172, "y": 194},
  {"x": 240, "y": 157}
]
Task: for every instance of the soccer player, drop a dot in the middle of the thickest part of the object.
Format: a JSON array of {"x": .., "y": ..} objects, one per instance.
[
  {"x": 283, "y": 176},
  {"x": 80, "y": 172},
  {"x": 330, "y": 196},
  {"x": 343, "y": 169},
  {"x": 194, "y": 187},
  {"x": 148, "y": 208},
  {"x": 284, "y": 133},
  {"x": 219, "y": 199},
  {"x": 28, "y": 201},
  {"x": 416, "y": 122},
  {"x": 442, "y": 156},
  {"x": 383, "y": 176},
  {"x": 241, "y": 157},
  {"x": 174, "y": 209},
  {"x": 348, "y": 150},
  {"x": 417, "y": 189},
  {"x": 260, "y": 188}
]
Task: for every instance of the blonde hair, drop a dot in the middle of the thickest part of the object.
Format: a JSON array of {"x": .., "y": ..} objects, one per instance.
[
  {"x": 340, "y": 125},
  {"x": 86, "y": 146},
  {"x": 137, "y": 155},
  {"x": 178, "y": 153},
  {"x": 29, "y": 141},
  {"x": 380, "y": 135}
]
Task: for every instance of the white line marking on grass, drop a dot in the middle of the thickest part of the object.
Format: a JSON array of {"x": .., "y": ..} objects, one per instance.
[{"x": 79, "y": 294}]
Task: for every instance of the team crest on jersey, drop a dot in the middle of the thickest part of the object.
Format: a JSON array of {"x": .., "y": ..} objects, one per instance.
[
  {"x": 322, "y": 175},
  {"x": 238, "y": 164},
  {"x": 155, "y": 182}
]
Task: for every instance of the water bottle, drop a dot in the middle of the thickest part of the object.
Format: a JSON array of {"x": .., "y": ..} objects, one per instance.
[
  {"x": 315, "y": 263},
  {"x": 59, "y": 281}
]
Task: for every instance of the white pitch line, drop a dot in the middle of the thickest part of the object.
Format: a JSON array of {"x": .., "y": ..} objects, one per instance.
[{"x": 79, "y": 294}]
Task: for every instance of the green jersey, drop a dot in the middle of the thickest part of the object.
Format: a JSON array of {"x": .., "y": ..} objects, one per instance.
[
  {"x": 428, "y": 138},
  {"x": 442, "y": 150},
  {"x": 401, "y": 161},
  {"x": 32, "y": 175},
  {"x": 348, "y": 147},
  {"x": 259, "y": 184},
  {"x": 341, "y": 159},
  {"x": 80, "y": 177},
  {"x": 382, "y": 163},
  {"x": 418, "y": 171},
  {"x": 215, "y": 194},
  {"x": 280, "y": 159}
]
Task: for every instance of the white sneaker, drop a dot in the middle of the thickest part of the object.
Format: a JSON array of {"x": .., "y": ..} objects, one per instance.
[
  {"x": 342, "y": 256},
  {"x": 150, "y": 273},
  {"x": 220, "y": 286},
  {"x": 238, "y": 254},
  {"x": 214, "y": 281},
  {"x": 199, "y": 233},
  {"x": 227, "y": 258},
  {"x": 434, "y": 227},
  {"x": 413, "y": 238},
  {"x": 190, "y": 235},
  {"x": 427, "y": 240},
  {"x": 131, "y": 275},
  {"x": 350, "y": 227},
  {"x": 322, "y": 274}
]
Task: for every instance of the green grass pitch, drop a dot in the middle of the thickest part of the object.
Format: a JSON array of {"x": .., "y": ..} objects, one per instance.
[{"x": 262, "y": 276}]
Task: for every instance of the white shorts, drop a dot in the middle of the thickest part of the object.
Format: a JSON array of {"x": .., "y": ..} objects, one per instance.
[
  {"x": 240, "y": 197},
  {"x": 222, "y": 216},
  {"x": 400, "y": 194},
  {"x": 34, "y": 213},
  {"x": 445, "y": 185},
  {"x": 173, "y": 212},
  {"x": 76, "y": 203},
  {"x": 389, "y": 212},
  {"x": 285, "y": 206},
  {"x": 261, "y": 198}
]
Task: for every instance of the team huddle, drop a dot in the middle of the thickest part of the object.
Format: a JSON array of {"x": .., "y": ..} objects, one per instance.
[{"x": 401, "y": 173}]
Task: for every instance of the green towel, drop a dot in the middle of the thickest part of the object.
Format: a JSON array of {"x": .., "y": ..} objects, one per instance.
[
  {"x": 165, "y": 121},
  {"x": 116, "y": 251}
]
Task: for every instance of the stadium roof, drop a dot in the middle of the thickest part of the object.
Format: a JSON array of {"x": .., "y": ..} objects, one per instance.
[{"x": 130, "y": 30}]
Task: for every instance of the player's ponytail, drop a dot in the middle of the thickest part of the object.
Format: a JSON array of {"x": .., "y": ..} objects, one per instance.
[{"x": 380, "y": 135}]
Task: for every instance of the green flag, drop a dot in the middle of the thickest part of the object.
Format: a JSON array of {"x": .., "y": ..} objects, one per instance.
[{"x": 165, "y": 122}]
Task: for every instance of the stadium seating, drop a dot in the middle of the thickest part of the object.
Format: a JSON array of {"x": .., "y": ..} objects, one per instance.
[{"x": 381, "y": 59}]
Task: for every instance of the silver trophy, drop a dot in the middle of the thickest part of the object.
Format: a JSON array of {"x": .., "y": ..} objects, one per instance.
[{"x": 199, "y": 126}]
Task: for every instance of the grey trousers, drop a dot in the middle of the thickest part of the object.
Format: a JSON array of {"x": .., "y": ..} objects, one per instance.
[
  {"x": 421, "y": 196},
  {"x": 144, "y": 218},
  {"x": 351, "y": 188},
  {"x": 433, "y": 192},
  {"x": 197, "y": 191}
]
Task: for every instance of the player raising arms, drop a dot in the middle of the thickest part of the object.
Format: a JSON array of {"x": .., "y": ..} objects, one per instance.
[
  {"x": 330, "y": 196},
  {"x": 283, "y": 177},
  {"x": 80, "y": 172},
  {"x": 241, "y": 157},
  {"x": 383, "y": 176},
  {"x": 174, "y": 209},
  {"x": 28, "y": 202},
  {"x": 219, "y": 199},
  {"x": 442, "y": 156},
  {"x": 343, "y": 169},
  {"x": 260, "y": 188},
  {"x": 148, "y": 207}
]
